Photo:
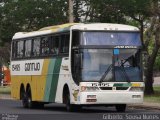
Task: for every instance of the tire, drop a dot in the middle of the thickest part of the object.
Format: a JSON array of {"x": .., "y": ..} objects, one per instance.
[
  {"x": 31, "y": 104},
  {"x": 23, "y": 98},
  {"x": 29, "y": 98},
  {"x": 69, "y": 106},
  {"x": 121, "y": 108}
]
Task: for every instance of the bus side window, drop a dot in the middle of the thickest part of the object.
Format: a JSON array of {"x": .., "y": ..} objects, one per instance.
[
  {"x": 64, "y": 47},
  {"x": 54, "y": 45},
  {"x": 20, "y": 49},
  {"x": 28, "y": 46},
  {"x": 44, "y": 46},
  {"x": 36, "y": 47},
  {"x": 75, "y": 38},
  {"x": 14, "y": 49}
]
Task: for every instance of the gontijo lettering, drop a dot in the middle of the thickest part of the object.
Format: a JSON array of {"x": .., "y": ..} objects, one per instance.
[{"x": 32, "y": 66}]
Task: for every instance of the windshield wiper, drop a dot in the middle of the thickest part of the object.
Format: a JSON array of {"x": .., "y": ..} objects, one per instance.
[{"x": 105, "y": 74}]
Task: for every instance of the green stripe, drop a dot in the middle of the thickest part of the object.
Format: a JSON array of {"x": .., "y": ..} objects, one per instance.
[
  {"x": 55, "y": 78},
  {"x": 122, "y": 85},
  {"x": 49, "y": 79}
]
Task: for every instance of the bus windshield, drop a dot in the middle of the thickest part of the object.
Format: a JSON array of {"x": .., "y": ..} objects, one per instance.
[{"x": 122, "y": 67}]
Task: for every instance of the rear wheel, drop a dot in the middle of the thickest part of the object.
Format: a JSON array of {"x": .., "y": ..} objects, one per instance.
[
  {"x": 121, "y": 108},
  {"x": 29, "y": 98},
  {"x": 27, "y": 102},
  {"x": 23, "y": 97}
]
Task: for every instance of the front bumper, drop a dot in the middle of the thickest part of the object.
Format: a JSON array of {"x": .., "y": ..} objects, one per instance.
[{"x": 110, "y": 97}]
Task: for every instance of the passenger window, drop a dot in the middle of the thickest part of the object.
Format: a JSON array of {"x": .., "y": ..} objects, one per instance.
[
  {"x": 28, "y": 45},
  {"x": 45, "y": 46},
  {"x": 36, "y": 47},
  {"x": 20, "y": 49},
  {"x": 54, "y": 45},
  {"x": 64, "y": 43}
]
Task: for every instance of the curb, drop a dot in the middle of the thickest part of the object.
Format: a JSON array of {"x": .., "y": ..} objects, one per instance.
[
  {"x": 144, "y": 106},
  {"x": 5, "y": 97}
]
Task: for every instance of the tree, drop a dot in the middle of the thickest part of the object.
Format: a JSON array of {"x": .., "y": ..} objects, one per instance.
[
  {"x": 152, "y": 33},
  {"x": 5, "y": 53},
  {"x": 71, "y": 19},
  {"x": 29, "y": 15}
]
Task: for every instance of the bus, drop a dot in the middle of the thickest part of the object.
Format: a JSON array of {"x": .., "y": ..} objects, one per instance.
[{"x": 78, "y": 64}]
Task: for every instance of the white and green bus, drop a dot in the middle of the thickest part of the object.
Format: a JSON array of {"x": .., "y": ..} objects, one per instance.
[{"x": 78, "y": 65}]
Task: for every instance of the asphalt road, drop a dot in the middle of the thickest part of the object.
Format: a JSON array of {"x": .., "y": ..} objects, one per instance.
[{"x": 13, "y": 109}]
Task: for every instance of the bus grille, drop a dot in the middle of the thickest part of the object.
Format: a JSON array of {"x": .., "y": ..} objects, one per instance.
[
  {"x": 111, "y": 88},
  {"x": 105, "y": 88},
  {"x": 122, "y": 88}
]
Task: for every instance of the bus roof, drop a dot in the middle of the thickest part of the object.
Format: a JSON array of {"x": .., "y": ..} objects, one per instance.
[{"x": 75, "y": 26}]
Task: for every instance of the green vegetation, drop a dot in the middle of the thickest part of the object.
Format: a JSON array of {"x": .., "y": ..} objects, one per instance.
[
  {"x": 155, "y": 98},
  {"x": 157, "y": 63},
  {"x": 5, "y": 90}
]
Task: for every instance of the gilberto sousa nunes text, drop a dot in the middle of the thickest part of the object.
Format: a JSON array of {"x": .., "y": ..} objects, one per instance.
[{"x": 131, "y": 116}]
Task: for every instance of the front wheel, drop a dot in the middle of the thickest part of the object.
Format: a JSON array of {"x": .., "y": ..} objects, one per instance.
[
  {"x": 121, "y": 108},
  {"x": 69, "y": 106}
]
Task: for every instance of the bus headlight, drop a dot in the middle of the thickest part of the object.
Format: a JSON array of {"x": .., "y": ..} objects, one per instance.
[
  {"x": 136, "y": 89},
  {"x": 88, "y": 88}
]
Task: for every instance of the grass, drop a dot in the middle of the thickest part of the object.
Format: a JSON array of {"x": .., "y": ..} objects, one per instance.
[
  {"x": 155, "y": 98},
  {"x": 5, "y": 90}
]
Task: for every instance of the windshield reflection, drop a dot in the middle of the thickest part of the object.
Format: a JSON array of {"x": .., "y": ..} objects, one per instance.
[
  {"x": 95, "y": 63},
  {"x": 125, "y": 65}
]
